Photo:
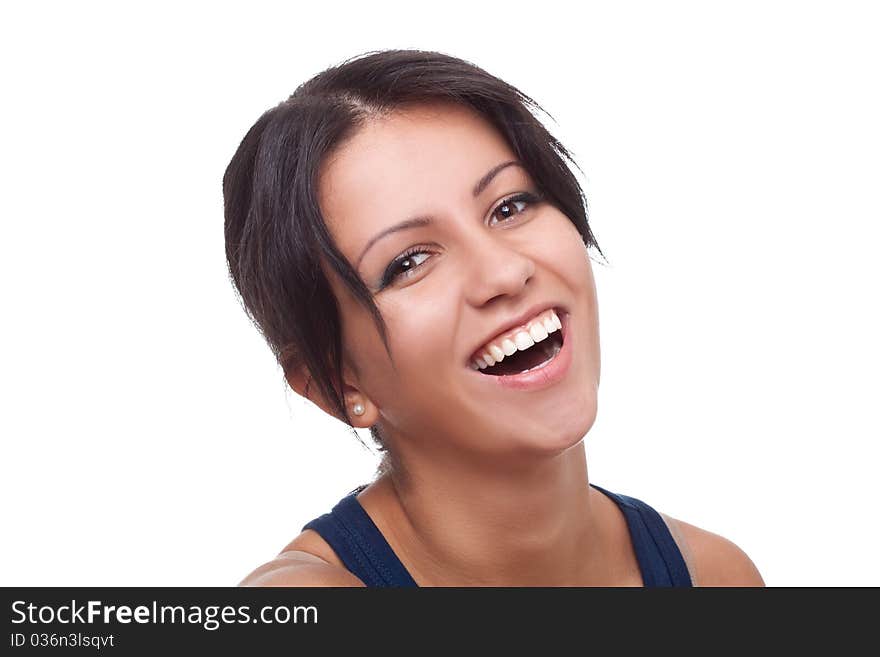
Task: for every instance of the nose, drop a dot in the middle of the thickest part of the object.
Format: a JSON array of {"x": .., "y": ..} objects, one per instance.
[{"x": 496, "y": 269}]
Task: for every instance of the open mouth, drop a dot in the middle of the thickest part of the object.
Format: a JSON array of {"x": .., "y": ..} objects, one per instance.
[{"x": 534, "y": 357}]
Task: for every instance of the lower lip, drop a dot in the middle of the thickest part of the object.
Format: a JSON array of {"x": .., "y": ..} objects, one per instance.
[{"x": 543, "y": 377}]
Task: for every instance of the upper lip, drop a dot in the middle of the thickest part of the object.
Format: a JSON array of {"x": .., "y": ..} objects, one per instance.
[{"x": 517, "y": 320}]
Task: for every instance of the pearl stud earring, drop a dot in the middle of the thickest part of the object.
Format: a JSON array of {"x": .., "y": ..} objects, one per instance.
[{"x": 358, "y": 409}]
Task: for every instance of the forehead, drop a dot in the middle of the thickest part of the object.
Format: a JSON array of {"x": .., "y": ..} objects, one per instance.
[{"x": 405, "y": 164}]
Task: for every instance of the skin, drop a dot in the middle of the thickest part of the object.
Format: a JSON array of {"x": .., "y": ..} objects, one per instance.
[{"x": 491, "y": 487}]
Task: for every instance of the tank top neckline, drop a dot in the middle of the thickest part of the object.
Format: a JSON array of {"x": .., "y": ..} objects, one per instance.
[{"x": 362, "y": 547}]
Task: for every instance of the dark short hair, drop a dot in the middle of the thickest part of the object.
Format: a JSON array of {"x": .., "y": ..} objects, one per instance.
[{"x": 275, "y": 233}]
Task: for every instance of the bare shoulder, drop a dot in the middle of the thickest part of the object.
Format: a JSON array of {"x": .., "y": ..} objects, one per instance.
[
  {"x": 304, "y": 562},
  {"x": 713, "y": 559}
]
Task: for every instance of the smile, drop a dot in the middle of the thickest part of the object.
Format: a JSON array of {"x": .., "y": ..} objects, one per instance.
[
  {"x": 515, "y": 351},
  {"x": 533, "y": 364}
]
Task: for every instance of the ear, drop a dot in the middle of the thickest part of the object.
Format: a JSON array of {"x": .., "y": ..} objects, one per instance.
[{"x": 300, "y": 379}]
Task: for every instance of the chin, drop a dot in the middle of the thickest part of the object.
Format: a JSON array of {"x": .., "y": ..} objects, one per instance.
[{"x": 556, "y": 432}]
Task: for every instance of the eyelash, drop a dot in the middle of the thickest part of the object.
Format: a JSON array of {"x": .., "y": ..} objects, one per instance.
[{"x": 390, "y": 276}]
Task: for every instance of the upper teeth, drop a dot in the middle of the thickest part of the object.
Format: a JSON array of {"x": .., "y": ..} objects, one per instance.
[{"x": 536, "y": 330}]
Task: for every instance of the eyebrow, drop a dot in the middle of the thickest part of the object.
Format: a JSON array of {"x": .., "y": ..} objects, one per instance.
[{"x": 417, "y": 222}]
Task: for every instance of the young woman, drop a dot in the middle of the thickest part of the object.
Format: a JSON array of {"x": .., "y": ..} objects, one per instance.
[{"x": 410, "y": 241}]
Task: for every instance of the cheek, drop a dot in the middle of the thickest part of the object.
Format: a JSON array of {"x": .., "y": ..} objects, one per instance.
[
  {"x": 416, "y": 392},
  {"x": 423, "y": 337},
  {"x": 574, "y": 268},
  {"x": 422, "y": 343},
  {"x": 571, "y": 252}
]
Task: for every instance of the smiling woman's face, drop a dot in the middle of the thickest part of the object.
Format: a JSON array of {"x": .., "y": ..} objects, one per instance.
[{"x": 478, "y": 264}]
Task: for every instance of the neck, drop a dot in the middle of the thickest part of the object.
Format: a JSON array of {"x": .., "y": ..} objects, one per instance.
[{"x": 470, "y": 526}]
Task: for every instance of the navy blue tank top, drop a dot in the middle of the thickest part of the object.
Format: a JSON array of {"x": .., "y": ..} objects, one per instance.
[{"x": 359, "y": 544}]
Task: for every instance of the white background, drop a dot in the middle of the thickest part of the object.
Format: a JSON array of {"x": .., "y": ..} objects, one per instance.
[{"x": 730, "y": 153}]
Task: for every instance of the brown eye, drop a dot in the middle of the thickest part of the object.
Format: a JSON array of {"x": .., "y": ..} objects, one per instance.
[
  {"x": 512, "y": 206},
  {"x": 410, "y": 262},
  {"x": 402, "y": 266}
]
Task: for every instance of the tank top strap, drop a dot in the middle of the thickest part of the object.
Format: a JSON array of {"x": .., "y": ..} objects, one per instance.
[
  {"x": 359, "y": 544},
  {"x": 659, "y": 557}
]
